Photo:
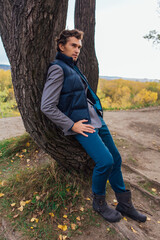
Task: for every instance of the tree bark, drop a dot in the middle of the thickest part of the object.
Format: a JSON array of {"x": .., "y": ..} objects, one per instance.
[
  {"x": 28, "y": 29},
  {"x": 85, "y": 21}
]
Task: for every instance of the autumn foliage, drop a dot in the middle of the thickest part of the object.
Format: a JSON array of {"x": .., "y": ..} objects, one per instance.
[
  {"x": 114, "y": 94},
  {"x": 125, "y": 94}
]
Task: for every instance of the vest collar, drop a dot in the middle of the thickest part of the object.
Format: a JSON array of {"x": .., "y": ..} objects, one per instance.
[{"x": 66, "y": 59}]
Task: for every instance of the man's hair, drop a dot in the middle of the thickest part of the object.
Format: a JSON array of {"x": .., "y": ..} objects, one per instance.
[{"x": 65, "y": 34}]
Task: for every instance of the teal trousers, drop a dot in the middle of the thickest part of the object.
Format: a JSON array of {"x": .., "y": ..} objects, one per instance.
[{"x": 101, "y": 148}]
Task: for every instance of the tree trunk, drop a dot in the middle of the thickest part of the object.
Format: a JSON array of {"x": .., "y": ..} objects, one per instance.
[
  {"x": 28, "y": 29},
  {"x": 85, "y": 21}
]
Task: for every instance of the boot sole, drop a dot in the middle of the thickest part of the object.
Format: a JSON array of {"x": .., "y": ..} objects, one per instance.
[
  {"x": 134, "y": 218},
  {"x": 106, "y": 218}
]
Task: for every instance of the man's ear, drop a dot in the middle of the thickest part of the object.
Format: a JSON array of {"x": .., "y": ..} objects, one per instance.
[{"x": 61, "y": 46}]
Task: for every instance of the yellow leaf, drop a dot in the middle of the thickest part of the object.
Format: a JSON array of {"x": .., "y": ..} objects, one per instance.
[
  {"x": 28, "y": 201},
  {"x": 62, "y": 237},
  {"x": 125, "y": 218},
  {"x": 78, "y": 218},
  {"x": 133, "y": 230},
  {"x": 148, "y": 219},
  {"x": 154, "y": 190},
  {"x": 34, "y": 219},
  {"x": 107, "y": 181},
  {"x": 88, "y": 199},
  {"x": 158, "y": 221},
  {"x": 1, "y": 194},
  {"x": 11, "y": 160},
  {"x": 108, "y": 229},
  {"x": 82, "y": 209},
  {"x": 62, "y": 227},
  {"x": 51, "y": 214},
  {"x": 31, "y": 227},
  {"x": 37, "y": 197},
  {"x": 67, "y": 189},
  {"x": 20, "y": 208},
  {"x": 65, "y": 216},
  {"x": 13, "y": 204},
  {"x": 4, "y": 183},
  {"x": 73, "y": 226},
  {"x": 27, "y": 144},
  {"x": 22, "y": 203},
  {"x": 24, "y": 150}
]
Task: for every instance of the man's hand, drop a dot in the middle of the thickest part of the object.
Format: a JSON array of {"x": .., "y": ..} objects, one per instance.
[{"x": 79, "y": 127}]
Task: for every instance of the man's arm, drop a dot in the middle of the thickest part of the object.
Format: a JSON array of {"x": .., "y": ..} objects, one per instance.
[{"x": 50, "y": 98}]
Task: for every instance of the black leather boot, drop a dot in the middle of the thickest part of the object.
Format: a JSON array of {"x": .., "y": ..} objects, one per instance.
[
  {"x": 125, "y": 206},
  {"x": 100, "y": 206}
]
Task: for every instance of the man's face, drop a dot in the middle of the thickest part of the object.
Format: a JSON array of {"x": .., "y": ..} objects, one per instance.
[{"x": 71, "y": 48}]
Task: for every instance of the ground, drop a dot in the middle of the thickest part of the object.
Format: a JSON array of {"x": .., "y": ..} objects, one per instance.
[{"x": 137, "y": 136}]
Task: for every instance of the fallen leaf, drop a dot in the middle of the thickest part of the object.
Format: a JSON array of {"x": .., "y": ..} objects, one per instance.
[
  {"x": 20, "y": 208},
  {"x": 133, "y": 230},
  {"x": 37, "y": 197},
  {"x": 27, "y": 144},
  {"x": 28, "y": 201},
  {"x": 154, "y": 190},
  {"x": 62, "y": 237},
  {"x": 62, "y": 227},
  {"x": 88, "y": 199},
  {"x": 24, "y": 150},
  {"x": 125, "y": 218},
  {"x": 78, "y": 218},
  {"x": 13, "y": 204},
  {"x": 81, "y": 209},
  {"x": 1, "y": 194},
  {"x": 32, "y": 227},
  {"x": 22, "y": 203},
  {"x": 28, "y": 160},
  {"x": 4, "y": 183},
  {"x": 73, "y": 226},
  {"x": 148, "y": 219},
  {"x": 158, "y": 221},
  {"x": 65, "y": 216},
  {"x": 67, "y": 189},
  {"x": 34, "y": 219},
  {"x": 51, "y": 214},
  {"x": 15, "y": 215},
  {"x": 114, "y": 200},
  {"x": 108, "y": 229}
]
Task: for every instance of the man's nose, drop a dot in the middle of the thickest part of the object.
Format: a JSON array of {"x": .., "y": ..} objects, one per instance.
[{"x": 77, "y": 50}]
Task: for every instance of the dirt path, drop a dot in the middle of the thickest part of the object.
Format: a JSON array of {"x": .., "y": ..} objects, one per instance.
[
  {"x": 141, "y": 131},
  {"x": 137, "y": 136}
]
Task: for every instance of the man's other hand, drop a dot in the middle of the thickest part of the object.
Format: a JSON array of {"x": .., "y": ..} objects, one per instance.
[{"x": 80, "y": 127}]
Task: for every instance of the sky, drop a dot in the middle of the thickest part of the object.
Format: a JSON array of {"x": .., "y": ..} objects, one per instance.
[{"x": 120, "y": 47}]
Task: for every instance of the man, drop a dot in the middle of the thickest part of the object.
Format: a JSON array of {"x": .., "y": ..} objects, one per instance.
[{"x": 69, "y": 101}]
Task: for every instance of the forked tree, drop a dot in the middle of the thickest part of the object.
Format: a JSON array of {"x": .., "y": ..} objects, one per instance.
[{"x": 28, "y": 30}]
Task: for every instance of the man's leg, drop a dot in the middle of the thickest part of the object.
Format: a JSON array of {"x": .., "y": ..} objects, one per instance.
[
  {"x": 115, "y": 177},
  {"x": 125, "y": 205},
  {"x": 103, "y": 159}
]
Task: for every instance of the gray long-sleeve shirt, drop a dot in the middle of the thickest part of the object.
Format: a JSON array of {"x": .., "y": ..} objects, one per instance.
[{"x": 50, "y": 99}]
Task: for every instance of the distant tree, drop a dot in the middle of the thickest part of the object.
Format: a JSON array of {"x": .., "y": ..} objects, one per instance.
[
  {"x": 153, "y": 34},
  {"x": 85, "y": 20}
]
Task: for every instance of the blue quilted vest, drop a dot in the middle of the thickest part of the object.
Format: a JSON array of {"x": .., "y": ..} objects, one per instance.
[{"x": 73, "y": 100}]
